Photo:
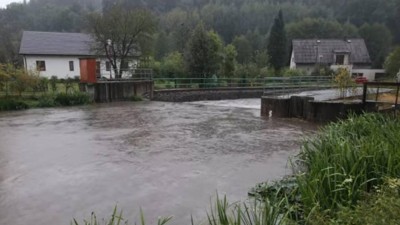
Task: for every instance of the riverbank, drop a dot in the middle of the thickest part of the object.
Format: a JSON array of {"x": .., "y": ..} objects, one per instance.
[
  {"x": 9, "y": 103},
  {"x": 347, "y": 174}
]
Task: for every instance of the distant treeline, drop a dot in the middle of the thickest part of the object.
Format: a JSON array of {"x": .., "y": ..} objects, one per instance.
[{"x": 242, "y": 23}]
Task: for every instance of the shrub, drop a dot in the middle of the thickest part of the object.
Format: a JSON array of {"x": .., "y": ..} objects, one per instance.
[
  {"x": 23, "y": 81},
  {"x": 136, "y": 98},
  {"x": 53, "y": 83},
  {"x": 77, "y": 98},
  {"x": 12, "y": 104},
  {"x": 47, "y": 101}
]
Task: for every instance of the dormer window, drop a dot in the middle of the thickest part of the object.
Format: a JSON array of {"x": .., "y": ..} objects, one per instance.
[{"x": 339, "y": 59}]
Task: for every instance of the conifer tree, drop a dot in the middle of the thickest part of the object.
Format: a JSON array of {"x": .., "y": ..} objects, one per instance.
[{"x": 276, "y": 47}]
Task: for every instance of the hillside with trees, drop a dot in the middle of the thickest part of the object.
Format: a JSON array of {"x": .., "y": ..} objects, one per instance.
[{"x": 238, "y": 31}]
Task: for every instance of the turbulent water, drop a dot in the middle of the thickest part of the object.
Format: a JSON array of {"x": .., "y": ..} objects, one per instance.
[{"x": 167, "y": 158}]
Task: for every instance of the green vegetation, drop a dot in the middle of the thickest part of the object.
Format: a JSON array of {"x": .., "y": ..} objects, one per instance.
[
  {"x": 12, "y": 104},
  {"x": 136, "y": 98},
  {"x": 277, "y": 43},
  {"x": 245, "y": 24},
  {"x": 221, "y": 213},
  {"x": 122, "y": 33},
  {"x": 344, "y": 170},
  {"x": 344, "y": 82},
  {"x": 45, "y": 100},
  {"x": 20, "y": 89},
  {"x": 392, "y": 63}
]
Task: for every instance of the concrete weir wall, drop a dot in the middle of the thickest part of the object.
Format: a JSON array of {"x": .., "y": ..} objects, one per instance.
[
  {"x": 108, "y": 91},
  {"x": 307, "y": 108},
  {"x": 189, "y": 95}
]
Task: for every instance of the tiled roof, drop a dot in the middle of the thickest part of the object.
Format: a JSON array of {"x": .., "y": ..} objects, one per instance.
[
  {"x": 306, "y": 51},
  {"x": 54, "y": 43}
]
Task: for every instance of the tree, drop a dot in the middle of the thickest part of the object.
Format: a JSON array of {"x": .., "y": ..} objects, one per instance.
[
  {"x": 244, "y": 49},
  {"x": 203, "y": 53},
  {"x": 261, "y": 58},
  {"x": 173, "y": 65},
  {"x": 344, "y": 82},
  {"x": 320, "y": 28},
  {"x": 378, "y": 39},
  {"x": 392, "y": 63},
  {"x": 5, "y": 72},
  {"x": 161, "y": 46},
  {"x": 277, "y": 43},
  {"x": 229, "y": 63},
  {"x": 121, "y": 35}
]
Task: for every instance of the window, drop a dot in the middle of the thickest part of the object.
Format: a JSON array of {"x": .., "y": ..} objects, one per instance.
[
  {"x": 125, "y": 65},
  {"x": 339, "y": 59},
  {"x": 108, "y": 66},
  {"x": 40, "y": 65},
  {"x": 71, "y": 65},
  {"x": 98, "y": 69}
]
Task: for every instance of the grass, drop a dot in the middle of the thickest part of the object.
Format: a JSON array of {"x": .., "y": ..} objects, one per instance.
[
  {"x": 117, "y": 219},
  {"x": 338, "y": 168},
  {"x": 347, "y": 159},
  {"x": 221, "y": 213}
]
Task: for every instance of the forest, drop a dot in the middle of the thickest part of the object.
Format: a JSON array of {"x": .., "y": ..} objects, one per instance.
[{"x": 240, "y": 28}]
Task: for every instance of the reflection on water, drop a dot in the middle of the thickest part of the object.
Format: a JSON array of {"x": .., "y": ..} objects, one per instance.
[{"x": 168, "y": 158}]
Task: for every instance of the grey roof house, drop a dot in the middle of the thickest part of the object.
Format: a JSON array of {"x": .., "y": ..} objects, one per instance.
[
  {"x": 60, "y": 54},
  {"x": 54, "y": 43},
  {"x": 307, "y": 53}
]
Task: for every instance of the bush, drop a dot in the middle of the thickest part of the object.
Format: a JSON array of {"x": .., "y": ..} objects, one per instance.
[
  {"x": 53, "y": 83},
  {"x": 136, "y": 98},
  {"x": 77, "y": 98},
  {"x": 47, "y": 101},
  {"x": 12, "y": 104}
]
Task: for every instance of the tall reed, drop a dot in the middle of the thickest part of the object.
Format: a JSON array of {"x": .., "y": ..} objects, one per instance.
[{"x": 347, "y": 159}]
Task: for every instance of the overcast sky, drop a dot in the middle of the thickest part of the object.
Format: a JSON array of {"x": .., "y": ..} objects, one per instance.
[{"x": 3, "y": 3}]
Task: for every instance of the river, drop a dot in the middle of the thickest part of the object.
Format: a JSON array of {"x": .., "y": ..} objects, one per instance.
[{"x": 169, "y": 159}]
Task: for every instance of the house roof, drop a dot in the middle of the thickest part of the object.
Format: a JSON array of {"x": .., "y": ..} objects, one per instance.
[
  {"x": 306, "y": 51},
  {"x": 55, "y": 43}
]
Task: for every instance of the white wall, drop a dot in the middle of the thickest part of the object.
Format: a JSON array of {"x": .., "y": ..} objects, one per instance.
[
  {"x": 55, "y": 65},
  {"x": 292, "y": 62},
  {"x": 368, "y": 73},
  {"x": 106, "y": 74},
  {"x": 59, "y": 66}
]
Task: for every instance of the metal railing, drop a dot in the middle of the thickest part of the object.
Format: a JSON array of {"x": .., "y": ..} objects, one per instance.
[
  {"x": 384, "y": 94},
  {"x": 266, "y": 83}
]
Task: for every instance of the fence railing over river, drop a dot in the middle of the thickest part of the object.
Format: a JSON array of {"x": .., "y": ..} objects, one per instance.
[{"x": 267, "y": 83}]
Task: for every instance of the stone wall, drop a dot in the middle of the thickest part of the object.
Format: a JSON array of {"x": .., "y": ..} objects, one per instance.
[
  {"x": 189, "y": 95},
  {"x": 108, "y": 91}
]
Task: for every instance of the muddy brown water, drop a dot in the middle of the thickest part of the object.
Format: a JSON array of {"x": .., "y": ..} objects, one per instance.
[{"x": 167, "y": 158}]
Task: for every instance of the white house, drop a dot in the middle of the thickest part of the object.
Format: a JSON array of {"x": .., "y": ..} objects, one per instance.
[
  {"x": 59, "y": 54},
  {"x": 334, "y": 53}
]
